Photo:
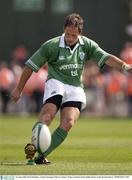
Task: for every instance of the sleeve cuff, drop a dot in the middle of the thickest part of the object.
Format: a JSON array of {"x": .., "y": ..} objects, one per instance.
[
  {"x": 102, "y": 61},
  {"x": 31, "y": 65}
]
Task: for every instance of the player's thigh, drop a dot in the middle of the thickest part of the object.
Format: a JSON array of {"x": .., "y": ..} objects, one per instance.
[
  {"x": 50, "y": 108},
  {"x": 75, "y": 94},
  {"x": 68, "y": 117},
  {"x": 53, "y": 87},
  {"x": 47, "y": 113}
]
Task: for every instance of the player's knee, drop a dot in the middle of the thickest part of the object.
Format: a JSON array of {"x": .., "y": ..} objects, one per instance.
[
  {"x": 68, "y": 124},
  {"x": 46, "y": 118}
]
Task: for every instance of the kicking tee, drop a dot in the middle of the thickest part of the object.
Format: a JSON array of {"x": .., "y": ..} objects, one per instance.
[{"x": 66, "y": 64}]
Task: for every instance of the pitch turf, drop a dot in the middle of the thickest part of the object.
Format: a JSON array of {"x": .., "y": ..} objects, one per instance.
[{"x": 94, "y": 147}]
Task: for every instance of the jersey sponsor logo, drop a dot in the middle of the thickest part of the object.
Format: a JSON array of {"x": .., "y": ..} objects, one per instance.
[
  {"x": 74, "y": 73},
  {"x": 82, "y": 55},
  {"x": 71, "y": 66}
]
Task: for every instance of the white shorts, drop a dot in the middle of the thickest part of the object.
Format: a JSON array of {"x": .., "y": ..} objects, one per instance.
[{"x": 69, "y": 93}]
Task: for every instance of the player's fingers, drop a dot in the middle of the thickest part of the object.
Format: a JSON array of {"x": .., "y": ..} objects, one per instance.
[
  {"x": 15, "y": 95},
  {"x": 14, "y": 98},
  {"x": 130, "y": 70}
]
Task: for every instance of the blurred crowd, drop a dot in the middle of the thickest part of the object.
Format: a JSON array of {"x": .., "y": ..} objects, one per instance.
[
  {"x": 32, "y": 96},
  {"x": 109, "y": 93}
]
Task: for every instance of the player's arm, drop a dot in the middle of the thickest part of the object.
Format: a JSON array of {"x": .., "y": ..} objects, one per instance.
[
  {"x": 37, "y": 60},
  {"x": 117, "y": 63},
  {"x": 16, "y": 93},
  {"x": 102, "y": 58}
]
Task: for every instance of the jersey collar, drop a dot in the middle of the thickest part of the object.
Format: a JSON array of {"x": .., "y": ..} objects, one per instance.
[{"x": 62, "y": 42}]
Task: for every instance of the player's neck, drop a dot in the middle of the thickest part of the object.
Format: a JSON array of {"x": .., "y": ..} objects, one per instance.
[{"x": 71, "y": 47}]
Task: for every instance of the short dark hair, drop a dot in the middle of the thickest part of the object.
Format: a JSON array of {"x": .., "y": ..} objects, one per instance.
[{"x": 74, "y": 20}]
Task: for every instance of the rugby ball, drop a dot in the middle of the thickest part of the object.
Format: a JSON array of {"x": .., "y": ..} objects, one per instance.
[{"x": 41, "y": 137}]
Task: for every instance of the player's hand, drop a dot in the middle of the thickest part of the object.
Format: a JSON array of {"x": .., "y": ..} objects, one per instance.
[
  {"x": 130, "y": 69},
  {"x": 127, "y": 67},
  {"x": 15, "y": 95}
]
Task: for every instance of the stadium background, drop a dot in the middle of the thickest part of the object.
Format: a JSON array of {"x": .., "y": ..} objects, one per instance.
[{"x": 31, "y": 22}]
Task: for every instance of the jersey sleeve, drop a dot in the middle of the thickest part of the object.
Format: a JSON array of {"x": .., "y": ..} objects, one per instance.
[
  {"x": 98, "y": 54},
  {"x": 39, "y": 58}
]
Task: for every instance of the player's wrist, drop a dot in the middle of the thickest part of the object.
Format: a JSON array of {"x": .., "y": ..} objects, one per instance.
[{"x": 126, "y": 67}]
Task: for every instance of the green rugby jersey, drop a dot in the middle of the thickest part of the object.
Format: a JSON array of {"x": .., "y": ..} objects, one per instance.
[{"x": 64, "y": 64}]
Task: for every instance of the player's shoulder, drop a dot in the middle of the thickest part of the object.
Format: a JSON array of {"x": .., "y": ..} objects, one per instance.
[
  {"x": 89, "y": 43},
  {"x": 53, "y": 41},
  {"x": 50, "y": 46},
  {"x": 88, "y": 40}
]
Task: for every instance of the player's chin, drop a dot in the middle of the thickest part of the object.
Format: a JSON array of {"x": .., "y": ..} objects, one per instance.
[{"x": 71, "y": 43}]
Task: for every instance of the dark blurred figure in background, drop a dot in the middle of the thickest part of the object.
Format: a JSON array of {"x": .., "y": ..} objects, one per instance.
[
  {"x": 126, "y": 55},
  {"x": 38, "y": 93},
  {"x": 129, "y": 94},
  {"x": 94, "y": 81},
  {"x": 115, "y": 84},
  {"x": 7, "y": 80},
  {"x": 128, "y": 28},
  {"x": 20, "y": 54},
  {"x": 34, "y": 89}
]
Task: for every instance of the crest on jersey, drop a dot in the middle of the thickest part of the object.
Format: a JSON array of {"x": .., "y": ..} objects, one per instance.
[
  {"x": 61, "y": 58},
  {"x": 82, "y": 55}
]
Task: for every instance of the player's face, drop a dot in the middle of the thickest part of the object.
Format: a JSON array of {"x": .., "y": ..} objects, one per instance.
[{"x": 71, "y": 35}]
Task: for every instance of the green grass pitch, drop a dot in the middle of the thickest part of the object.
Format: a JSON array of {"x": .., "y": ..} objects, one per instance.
[{"x": 94, "y": 146}]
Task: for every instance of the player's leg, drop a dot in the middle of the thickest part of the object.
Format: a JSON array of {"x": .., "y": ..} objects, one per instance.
[
  {"x": 52, "y": 100},
  {"x": 68, "y": 117},
  {"x": 46, "y": 115},
  {"x": 70, "y": 112},
  {"x": 49, "y": 110},
  {"x": 73, "y": 101}
]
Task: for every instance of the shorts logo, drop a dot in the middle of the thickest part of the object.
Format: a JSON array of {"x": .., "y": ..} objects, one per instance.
[
  {"x": 53, "y": 92},
  {"x": 81, "y": 55}
]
